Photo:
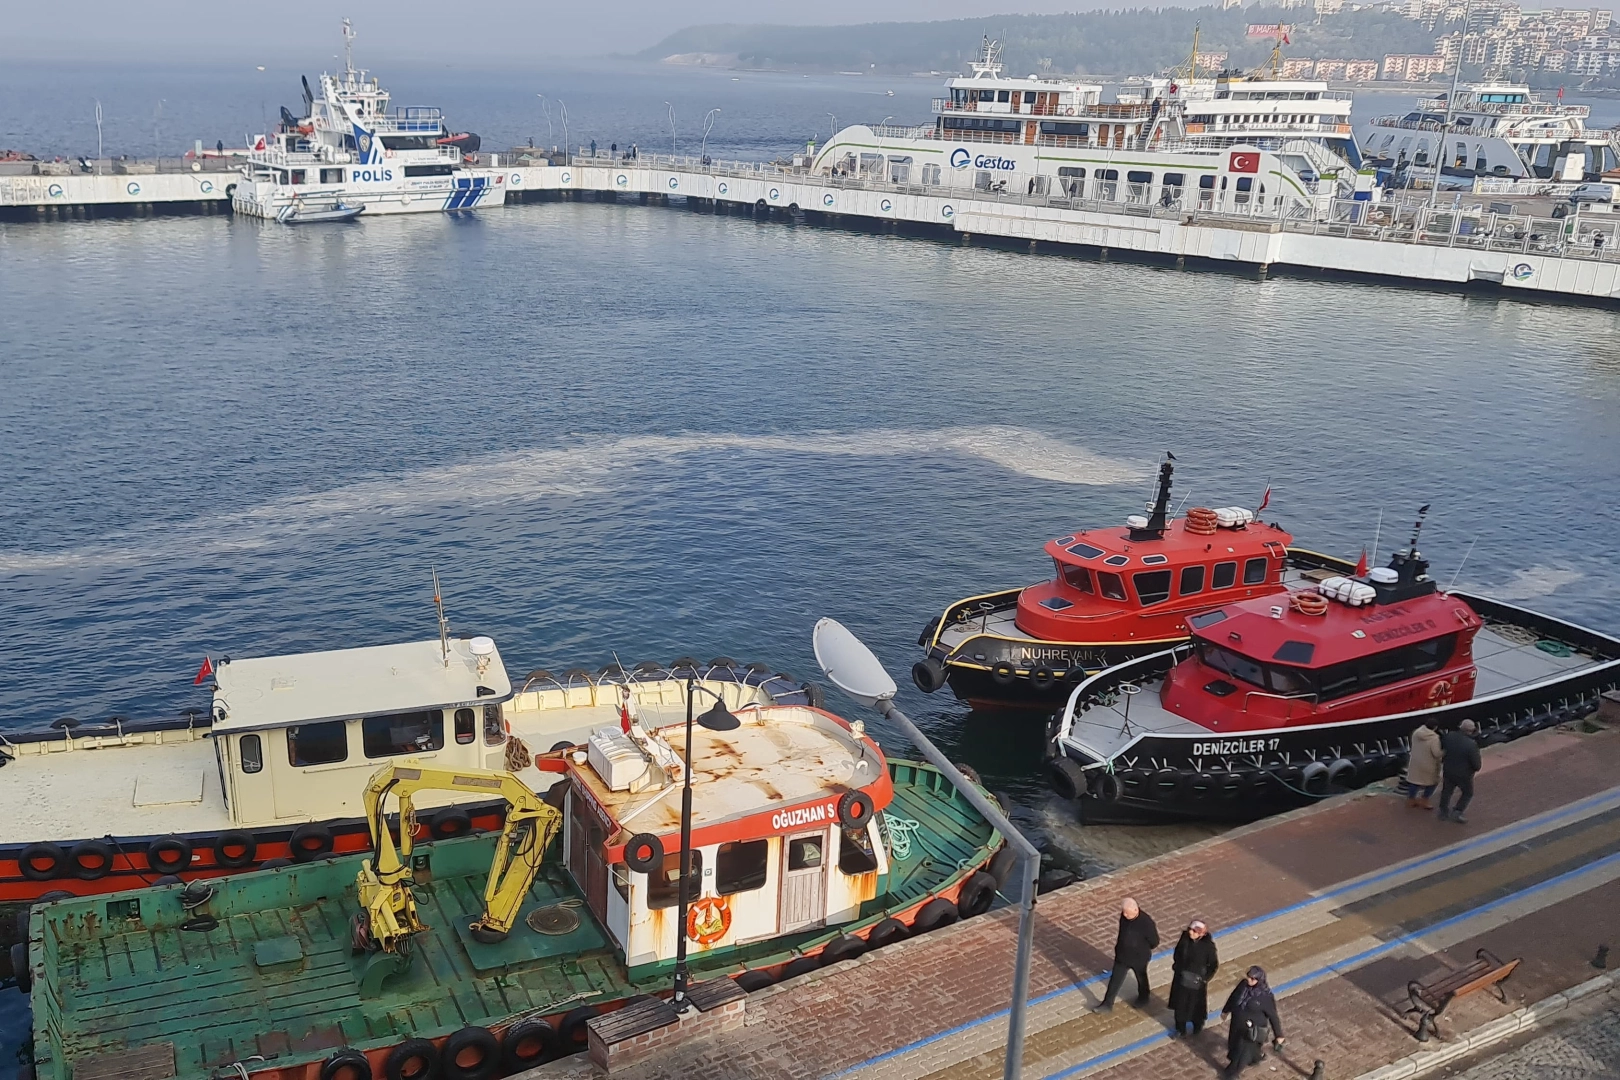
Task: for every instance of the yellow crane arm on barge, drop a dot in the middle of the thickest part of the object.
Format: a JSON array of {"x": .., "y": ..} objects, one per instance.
[{"x": 388, "y": 909}]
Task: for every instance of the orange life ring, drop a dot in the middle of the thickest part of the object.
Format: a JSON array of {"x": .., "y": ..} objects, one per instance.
[
  {"x": 708, "y": 919},
  {"x": 1441, "y": 693},
  {"x": 1309, "y": 603},
  {"x": 1202, "y": 521}
]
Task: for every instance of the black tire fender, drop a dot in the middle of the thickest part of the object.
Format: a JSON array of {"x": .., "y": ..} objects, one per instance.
[
  {"x": 27, "y": 912},
  {"x": 938, "y": 912},
  {"x": 42, "y": 861},
  {"x": 1313, "y": 779},
  {"x": 928, "y": 675},
  {"x": 1342, "y": 773},
  {"x": 754, "y": 979},
  {"x": 529, "y": 1042},
  {"x": 855, "y": 810},
  {"x": 644, "y": 853},
  {"x": 572, "y": 1035},
  {"x": 1107, "y": 787},
  {"x": 1042, "y": 677},
  {"x": 887, "y": 932},
  {"x": 844, "y": 947},
  {"x": 449, "y": 822},
  {"x": 1003, "y": 673},
  {"x": 90, "y": 860},
  {"x": 243, "y": 843},
  {"x": 978, "y": 893},
  {"x": 802, "y": 965},
  {"x": 419, "y": 1052},
  {"x": 1002, "y": 865},
  {"x": 346, "y": 1064},
  {"x": 815, "y": 696},
  {"x": 1164, "y": 783},
  {"x": 1067, "y": 777},
  {"x": 169, "y": 854},
  {"x": 19, "y": 967},
  {"x": 310, "y": 841},
  {"x": 473, "y": 1053}
]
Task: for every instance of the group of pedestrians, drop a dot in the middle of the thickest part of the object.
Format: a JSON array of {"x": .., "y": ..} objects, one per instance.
[
  {"x": 1448, "y": 761},
  {"x": 1251, "y": 1005}
]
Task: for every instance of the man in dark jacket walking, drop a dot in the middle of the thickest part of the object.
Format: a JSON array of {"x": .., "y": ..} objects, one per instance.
[
  {"x": 1138, "y": 937},
  {"x": 1459, "y": 761}
]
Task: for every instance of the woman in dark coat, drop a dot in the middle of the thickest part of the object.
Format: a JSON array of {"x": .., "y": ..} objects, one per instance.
[
  {"x": 1254, "y": 1012},
  {"x": 1195, "y": 963}
]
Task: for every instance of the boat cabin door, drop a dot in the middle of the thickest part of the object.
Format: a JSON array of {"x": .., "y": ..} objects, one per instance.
[{"x": 804, "y": 882}]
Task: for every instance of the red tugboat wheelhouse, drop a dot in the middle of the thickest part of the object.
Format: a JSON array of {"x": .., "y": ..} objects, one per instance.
[
  {"x": 1281, "y": 700},
  {"x": 1117, "y": 594}
]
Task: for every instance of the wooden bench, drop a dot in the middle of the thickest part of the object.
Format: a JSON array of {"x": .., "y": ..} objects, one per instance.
[{"x": 1430, "y": 1000}]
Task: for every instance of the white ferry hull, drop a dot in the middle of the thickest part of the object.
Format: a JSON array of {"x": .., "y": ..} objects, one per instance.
[{"x": 450, "y": 193}]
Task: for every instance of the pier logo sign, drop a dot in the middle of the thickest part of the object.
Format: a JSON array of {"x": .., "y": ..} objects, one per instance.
[
  {"x": 960, "y": 158},
  {"x": 1523, "y": 272}
]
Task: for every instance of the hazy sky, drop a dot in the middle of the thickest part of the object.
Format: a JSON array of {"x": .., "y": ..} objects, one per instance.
[{"x": 497, "y": 29}]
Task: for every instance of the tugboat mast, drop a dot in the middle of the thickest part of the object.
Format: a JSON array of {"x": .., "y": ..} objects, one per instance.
[{"x": 1159, "y": 519}]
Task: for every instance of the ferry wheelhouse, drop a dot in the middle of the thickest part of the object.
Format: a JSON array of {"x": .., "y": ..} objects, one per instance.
[
  {"x": 1058, "y": 138},
  {"x": 1117, "y": 593},
  {"x": 273, "y": 770},
  {"x": 349, "y": 151},
  {"x": 1497, "y": 129},
  {"x": 1280, "y": 700}
]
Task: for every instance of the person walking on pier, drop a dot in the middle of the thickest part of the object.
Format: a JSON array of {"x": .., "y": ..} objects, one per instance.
[
  {"x": 1133, "y": 948},
  {"x": 1253, "y": 1010},
  {"x": 1422, "y": 767},
  {"x": 1458, "y": 764},
  {"x": 1195, "y": 963}
]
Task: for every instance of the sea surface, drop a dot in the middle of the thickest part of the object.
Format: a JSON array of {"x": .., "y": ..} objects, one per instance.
[{"x": 626, "y": 432}]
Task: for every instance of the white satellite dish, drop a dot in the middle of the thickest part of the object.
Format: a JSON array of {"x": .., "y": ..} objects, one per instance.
[{"x": 850, "y": 665}]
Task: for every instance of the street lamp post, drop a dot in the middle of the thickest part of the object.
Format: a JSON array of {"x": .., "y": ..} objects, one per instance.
[
  {"x": 550, "y": 134},
  {"x": 1451, "y": 104},
  {"x": 708, "y": 122},
  {"x": 718, "y": 718},
  {"x": 833, "y": 129},
  {"x": 568, "y": 155},
  {"x": 671, "y": 128}
]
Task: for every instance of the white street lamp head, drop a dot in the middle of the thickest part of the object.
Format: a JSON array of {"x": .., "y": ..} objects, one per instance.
[{"x": 850, "y": 665}]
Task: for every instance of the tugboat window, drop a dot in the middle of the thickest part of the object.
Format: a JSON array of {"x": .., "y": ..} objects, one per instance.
[
  {"x": 1192, "y": 580},
  {"x": 855, "y": 854},
  {"x": 1290, "y": 682},
  {"x": 1110, "y": 584},
  {"x": 252, "y": 752},
  {"x": 740, "y": 867},
  {"x": 494, "y": 726},
  {"x": 1254, "y": 571},
  {"x": 804, "y": 853},
  {"x": 1152, "y": 587},
  {"x": 402, "y": 733},
  {"x": 318, "y": 744},
  {"x": 1077, "y": 576},
  {"x": 664, "y": 886},
  {"x": 466, "y": 726},
  {"x": 1225, "y": 575},
  {"x": 1230, "y": 663},
  {"x": 1085, "y": 551},
  {"x": 1429, "y": 655}
]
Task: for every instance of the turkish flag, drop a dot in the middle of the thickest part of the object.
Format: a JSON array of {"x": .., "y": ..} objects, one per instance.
[
  {"x": 203, "y": 672},
  {"x": 1361, "y": 564},
  {"x": 1244, "y": 161}
]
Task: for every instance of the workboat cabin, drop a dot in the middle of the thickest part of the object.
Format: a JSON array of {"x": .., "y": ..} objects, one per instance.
[{"x": 785, "y": 830}]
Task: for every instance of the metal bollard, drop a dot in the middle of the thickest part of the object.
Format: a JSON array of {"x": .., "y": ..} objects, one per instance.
[
  {"x": 1601, "y": 960},
  {"x": 1425, "y": 1027},
  {"x": 1319, "y": 1072}
]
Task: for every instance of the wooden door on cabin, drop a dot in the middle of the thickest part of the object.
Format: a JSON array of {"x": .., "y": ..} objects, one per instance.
[
  {"x": 585, "y": 860},
  {"x": 804, "y": 882}
]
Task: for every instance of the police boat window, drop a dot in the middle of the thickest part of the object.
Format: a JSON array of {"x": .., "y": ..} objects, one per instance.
[
  {"x": 466, "y": 726},
  {"x": 1192, "y": 580},
  {"x": 804, "y": 852},
  {"x": 494, "y": 726},
  {"x": 1254, "y": 571},
  {"x": 1225, "y": 575},
  {"x": 1110, "y": 585},
  {"x": 318, "y": 744},
  {"x": 1152, "y": 586},
  {"x": 1076, "y": 576},
  {"x": 251, "y": 751},
  {"x": 664, "y": 885},
  {"x": 740, "y": 866},
  {"x": 402, "y": 733},
  {"x": 855, "y": 854}
]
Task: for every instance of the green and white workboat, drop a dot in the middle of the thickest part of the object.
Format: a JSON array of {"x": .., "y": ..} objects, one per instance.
[{"x": 477, "y": 957}]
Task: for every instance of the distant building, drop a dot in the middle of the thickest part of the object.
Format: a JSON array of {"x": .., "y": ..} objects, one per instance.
[
  {"x": 1298, "y": 67},
  {"x": 1360, "y": 70},
  {"x": 1330, "y": 70},
  {"x": 1412, "y": 67},
  {"x": 1329, "y": 7},
  {"x": 1214, "y": 60}
]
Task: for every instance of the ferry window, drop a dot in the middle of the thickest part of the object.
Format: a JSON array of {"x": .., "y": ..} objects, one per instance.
[
  {"x": 1003, "y": 95},
  {"x": 251, "y": 751},
  {"x": 1206, "y": 182},
  {"x": 1245, "y": 183},
  {"x": 804, "y": 852},
  {"x": 1192, "y": 580},
  {"x": 1337, "y": 681},
  {"x": 1174, "y": 179},
  {"x": 1225, "y": 575},
  {"x": 1072, "y": 173},
  {"x": 466, "y": 726},
  {"x": 402, "y": 733},
  {"x": 1110, "y": 585},
  {"x": 1432, "y": 654},
  {"x": 664, "y": 886},
  {"x": 740, "y": 866},
  {"x": 1029, "y": 97},
  {"x": 855, "y": 854},
  {"x": 1085, "y": 551},
  {"x": 1254, "y": 571},
  {"x": 1137, "y": 176},
  {"x": 1077, "y": 576},
  {"x": 1152, "y": 586},
  {"x": 318, "y": 744},
  {"x": 494, "y": 727}
]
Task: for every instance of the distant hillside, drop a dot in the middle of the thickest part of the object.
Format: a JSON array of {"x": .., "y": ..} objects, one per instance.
[{"x": 1104, "y": 42}]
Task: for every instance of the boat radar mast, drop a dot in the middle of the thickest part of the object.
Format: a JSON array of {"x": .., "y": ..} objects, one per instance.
[
  {"x": 988, "y": 65},
  {"x": 1159, "y": 510}
]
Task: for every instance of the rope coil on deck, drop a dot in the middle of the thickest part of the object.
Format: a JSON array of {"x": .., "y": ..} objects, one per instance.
[{"x": 901, "y": 831}]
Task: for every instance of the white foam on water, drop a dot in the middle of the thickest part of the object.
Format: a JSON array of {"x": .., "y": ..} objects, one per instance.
[
  {"x": 585, "y": 468},
  {"x": 1533, "y": 582}
]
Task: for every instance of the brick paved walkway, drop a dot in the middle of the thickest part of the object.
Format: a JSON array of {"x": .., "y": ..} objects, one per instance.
[{"x": 1343, "y": 904}]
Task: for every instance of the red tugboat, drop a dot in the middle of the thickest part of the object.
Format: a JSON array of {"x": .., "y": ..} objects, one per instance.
[
  {"x": 1280, "y": 700},
  {"x": 1117, "y": 594}
]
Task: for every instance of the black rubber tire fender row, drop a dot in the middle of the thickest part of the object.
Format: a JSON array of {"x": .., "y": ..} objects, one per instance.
[
  {"x": 473, "y": 1053},
  {"x": 346, "y": 1064}
]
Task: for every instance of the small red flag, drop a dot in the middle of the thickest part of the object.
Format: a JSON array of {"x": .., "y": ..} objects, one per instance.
[
  {"x": 1361, "y": 564},
  {"x": 1560, "y": 93},
  {"x": 1265, "y": 500},
  {"x": 624, "y": 717},
  {"x": 203, "y": 672}
]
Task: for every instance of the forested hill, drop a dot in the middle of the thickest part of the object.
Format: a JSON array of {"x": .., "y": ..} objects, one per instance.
[{"x": 1103, "y": 42}]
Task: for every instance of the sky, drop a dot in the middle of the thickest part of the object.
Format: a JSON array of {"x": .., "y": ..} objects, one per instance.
[{"x": 177, "y": 30}]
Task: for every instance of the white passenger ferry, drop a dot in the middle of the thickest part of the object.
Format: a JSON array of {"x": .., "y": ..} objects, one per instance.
[
  {"x": 349, "y": 151},
  {"x": 1497, "y": 129},
  {"x": 1235, "y": 143}
]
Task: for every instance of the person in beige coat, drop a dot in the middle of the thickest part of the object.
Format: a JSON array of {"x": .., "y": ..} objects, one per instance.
[{"x": 1422, "y": 767}]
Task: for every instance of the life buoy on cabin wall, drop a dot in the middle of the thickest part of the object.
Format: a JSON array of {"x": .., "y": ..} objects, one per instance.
[{"x": 708, "y": 919}]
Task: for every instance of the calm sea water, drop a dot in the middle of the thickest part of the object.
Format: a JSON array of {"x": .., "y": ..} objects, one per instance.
[{"x": 640, "y": 433}]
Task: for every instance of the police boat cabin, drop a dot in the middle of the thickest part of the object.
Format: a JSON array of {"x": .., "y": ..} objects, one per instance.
[{"x": 1117, "y": 593}]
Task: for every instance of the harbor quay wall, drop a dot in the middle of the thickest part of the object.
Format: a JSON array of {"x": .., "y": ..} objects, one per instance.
[{"x": 142, "y": 194}]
